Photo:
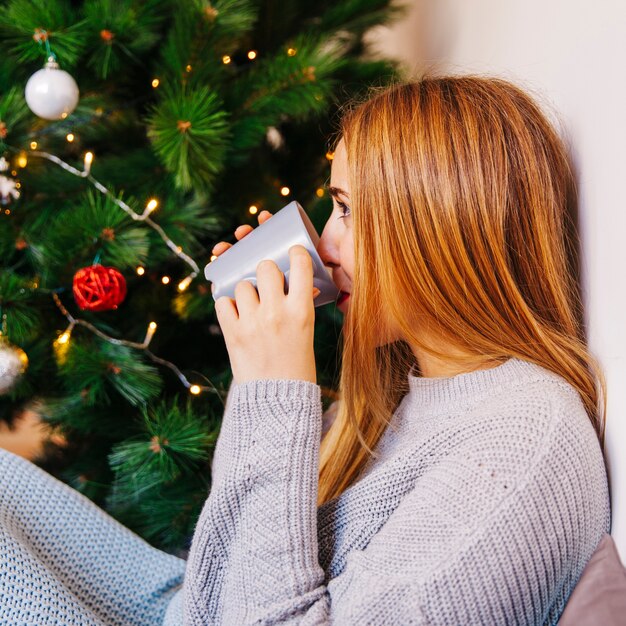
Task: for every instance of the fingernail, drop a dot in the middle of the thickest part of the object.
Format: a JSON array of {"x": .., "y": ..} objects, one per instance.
[{"x": 316, "y": 292}]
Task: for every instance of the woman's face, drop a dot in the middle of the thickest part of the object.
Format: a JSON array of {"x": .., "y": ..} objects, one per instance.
[{"x": 336, "y": 246}]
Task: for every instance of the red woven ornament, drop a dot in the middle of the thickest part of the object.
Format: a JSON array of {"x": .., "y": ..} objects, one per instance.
[{"x": 98, "y": 288}]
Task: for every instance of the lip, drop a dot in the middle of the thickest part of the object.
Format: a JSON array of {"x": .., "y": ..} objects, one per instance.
[{"x": 343, "y": 296}]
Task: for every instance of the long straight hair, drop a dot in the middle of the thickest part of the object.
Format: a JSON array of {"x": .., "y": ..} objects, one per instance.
[{"x": 460, "y": 190}]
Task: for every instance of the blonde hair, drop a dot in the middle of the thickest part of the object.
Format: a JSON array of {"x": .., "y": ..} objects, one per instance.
[{"x": 460, "y": 190}]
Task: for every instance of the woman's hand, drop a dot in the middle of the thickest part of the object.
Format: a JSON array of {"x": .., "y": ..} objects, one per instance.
[{"x": 269, "y": 334}]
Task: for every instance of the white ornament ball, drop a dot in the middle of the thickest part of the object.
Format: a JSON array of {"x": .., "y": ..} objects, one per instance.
[
  {"x": 13, "y": 363},
  {"x": 51, "y": 93}
]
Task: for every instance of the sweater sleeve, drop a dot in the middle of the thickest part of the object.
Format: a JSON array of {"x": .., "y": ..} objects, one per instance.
[{"x": 442, "y": 557}]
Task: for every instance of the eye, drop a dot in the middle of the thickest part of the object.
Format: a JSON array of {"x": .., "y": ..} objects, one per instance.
[{"x": 345, "y": 210}]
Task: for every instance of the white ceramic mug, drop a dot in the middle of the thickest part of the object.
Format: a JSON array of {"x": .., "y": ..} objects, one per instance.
[{"x": 272, "y": 240}]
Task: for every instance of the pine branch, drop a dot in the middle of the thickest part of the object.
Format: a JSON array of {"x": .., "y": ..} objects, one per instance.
[
  {"x": 121, "y": 31},
  {"x": 18, "y": 303},
  {"x": 95, "y": 225},
  {"x": 173, "y": 441},
  {"x": 298, "y": 86},
  {"x": 189, "y": 132},
  {"x": 97, "y": 368},
  {"x": 20, "y": 20}
]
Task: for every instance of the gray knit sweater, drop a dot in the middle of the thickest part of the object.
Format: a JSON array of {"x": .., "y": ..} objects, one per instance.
[
  {"x": 487, "y": 499},
  {"x": 488, "y": 496}
]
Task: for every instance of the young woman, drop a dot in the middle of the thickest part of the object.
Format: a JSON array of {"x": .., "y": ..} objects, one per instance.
[{"x": 460, "y": 477}]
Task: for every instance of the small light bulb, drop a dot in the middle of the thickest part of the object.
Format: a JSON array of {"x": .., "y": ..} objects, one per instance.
[
  {"x": 184, "y": 283},
  {"x": 291, "y": 51},
  {"x": 152, "y": 204},
  {"x": 22, "y": 160},
  {"x": 188, "y": 68},
  {"x": 165, "y": 280},
  {"x": 33, "y": 145},
  {"x": 252, "y": 54},
  {"x": 226, "y": 59},
  {"x": 195, "y": 389},
  {"x": 63, "y": 115},
  {"x": 213, "y": 257},
  {"x": 70, "y": 137},
  {"x": 64, "y": 337},
  {"x": 18, "y": 185},
  {"x": 155, "y": 82},
  {"x": 141, "y": 270},
  {"x": 253, "y": 209},
  {"x": 284, "y": 191},
  {"x": 320, "y": 192},
  {"x": 330, "y": 155},
  {"x": 7, "y": 211},
  {"x": 88, "y": 158},
  {"x": 150, "y": 333}
]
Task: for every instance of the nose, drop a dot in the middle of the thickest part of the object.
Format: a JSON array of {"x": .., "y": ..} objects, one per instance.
[{"x": 327, "y": 248}]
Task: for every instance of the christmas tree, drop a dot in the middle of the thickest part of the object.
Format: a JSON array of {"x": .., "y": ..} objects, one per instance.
[{"x": 154, "y": 130}]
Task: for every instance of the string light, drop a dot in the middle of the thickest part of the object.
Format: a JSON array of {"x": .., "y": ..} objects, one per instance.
[
  {"x": 63, "y": 115},
  {"x": 85, "y": 173},
  {"x": 70, "y": 137},
  {"x": 153, "y": 203},
  {"x": 226, "y": 59},
  {"x": 252, "y": 54},
  {"x": 87, "y": 163},
  {"x": 18, "y": 185},
  {"x": 61, "y": 345},
  {"x": 213, "y": 257},
  {"x": 319, "y": 192},
  {"x": 330, "y": 155},
  {"x": 155, "y": 82},
  {"x": 291, "y": 51},
  {"x": 141, "y": 270},
  {"x": 188, "y": 68},
  {"x": 22, "y": 160},
  {"x": 150, "y": 333},
  {"x": 33, "y": 145},
  {"x": 184, "y": 283},
  {"x": 165, "y": 280},
  {"x": 253, "y": 209},
  {"x": 284, "y": 191}
]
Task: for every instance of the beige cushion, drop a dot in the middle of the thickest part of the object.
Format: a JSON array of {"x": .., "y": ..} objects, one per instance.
[{"x": 600, "y": 594}]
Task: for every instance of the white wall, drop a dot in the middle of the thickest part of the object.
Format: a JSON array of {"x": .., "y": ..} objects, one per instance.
[{"x": 572, "y": 56}]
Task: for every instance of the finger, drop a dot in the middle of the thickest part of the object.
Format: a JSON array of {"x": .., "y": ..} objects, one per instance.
[
  {"x": 243, "y": 230},
  {"x": 225, "y": 310},
  {"x": 220, "y": 247},
  {"x": 246, "y": 298},
  {"x": 264, "y": 216},
  {"x": 270, "y": 281},
  {"x": 300, "y": 274}
]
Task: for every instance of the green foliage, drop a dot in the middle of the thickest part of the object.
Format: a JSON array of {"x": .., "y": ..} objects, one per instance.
[
  {"x": 20, "y": 19},
  {"x": 98, "y": 370},
  {"x": 172, "y": 108},
  {"x": 121, "y": 31},
  {"x": 98, "y": 224},
  {"x": 19, "y": 317},
  {"x": 173, "y": 441},
  {"x": 13, "y": 110},
  {"x": 189, "y": 130}
]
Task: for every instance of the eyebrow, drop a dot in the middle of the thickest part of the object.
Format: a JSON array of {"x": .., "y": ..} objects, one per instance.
[{"x": 337, "y": 191}]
